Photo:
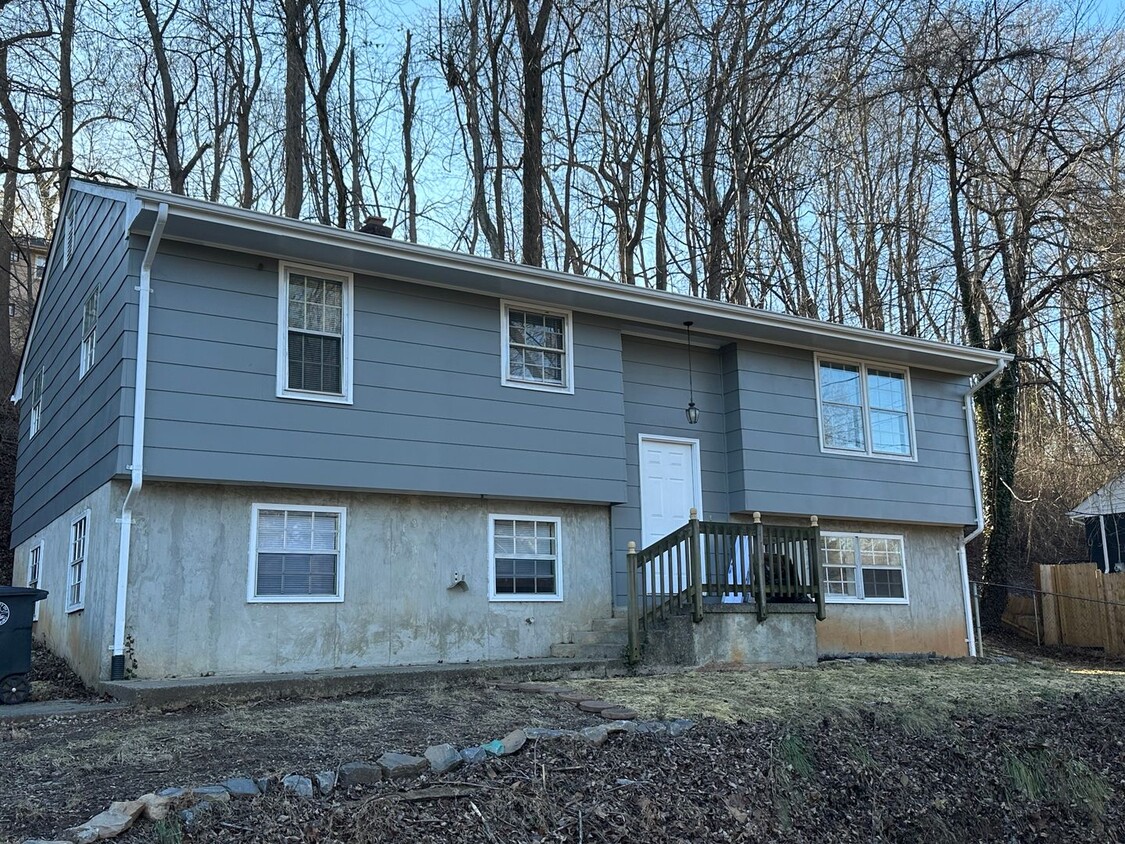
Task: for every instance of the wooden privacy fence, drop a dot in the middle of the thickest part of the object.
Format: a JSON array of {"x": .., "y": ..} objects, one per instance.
[{"x": 1080, "y": 606}]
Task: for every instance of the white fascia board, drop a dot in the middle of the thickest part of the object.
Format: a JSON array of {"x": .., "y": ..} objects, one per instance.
[{"x": 721, "y": 318}]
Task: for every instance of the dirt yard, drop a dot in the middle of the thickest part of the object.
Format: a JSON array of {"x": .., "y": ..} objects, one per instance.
[{"x": 948, "y": 752}]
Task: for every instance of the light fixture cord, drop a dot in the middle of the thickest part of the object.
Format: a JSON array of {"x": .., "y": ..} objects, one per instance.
[{"x": 691, "y": 385}]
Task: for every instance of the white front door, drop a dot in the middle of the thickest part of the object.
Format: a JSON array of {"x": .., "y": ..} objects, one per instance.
[{"x": 670, "y": 487}]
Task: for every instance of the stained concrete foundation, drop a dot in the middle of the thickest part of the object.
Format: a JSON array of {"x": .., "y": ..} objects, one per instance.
[{"x": 732, "y": 634}]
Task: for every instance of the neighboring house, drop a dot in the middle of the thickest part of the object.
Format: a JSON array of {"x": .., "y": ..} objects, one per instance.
[
  {"x": 250, "y": 443},
  {"x": 27, "y": 261},
  {"x": 1103, "y": 516}
]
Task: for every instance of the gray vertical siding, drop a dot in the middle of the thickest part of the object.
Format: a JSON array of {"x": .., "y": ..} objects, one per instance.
[
  {"x": 429, "y": 414},
  {"x": 80, "y": 443},
  {"x": 656, "y": 394},
  {"x": 779, "y": 466}
]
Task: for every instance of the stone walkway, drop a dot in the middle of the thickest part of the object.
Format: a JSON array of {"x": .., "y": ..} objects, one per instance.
[{"x": 52, "y": 708}]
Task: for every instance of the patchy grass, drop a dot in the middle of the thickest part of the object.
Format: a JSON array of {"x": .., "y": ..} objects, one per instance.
[{"x": 919, "y": 698}]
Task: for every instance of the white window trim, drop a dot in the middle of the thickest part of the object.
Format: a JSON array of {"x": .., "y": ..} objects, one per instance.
[
  {"x": 252, "y": 579},
  {"x": 35, "y": 414},
  {"x": 283, "y": 390},
  {"x": 36, "y": 559},
  {"x": 863, "y": 367},
  {"x": 858, "y": 598},
  {"x": 506, "y": 380},
  {"x": 88, "y": 351},
  {"x": 68, "y": 233},
  {"x": 505, "y": 597},
  {"x": 80, "y": 604}
]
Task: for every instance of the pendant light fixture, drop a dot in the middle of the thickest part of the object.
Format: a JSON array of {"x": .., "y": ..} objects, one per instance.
[{"x": 692, "y": 411}]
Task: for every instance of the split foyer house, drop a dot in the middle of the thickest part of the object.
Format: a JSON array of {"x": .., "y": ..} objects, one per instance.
[{"x": 254, "y": 444}]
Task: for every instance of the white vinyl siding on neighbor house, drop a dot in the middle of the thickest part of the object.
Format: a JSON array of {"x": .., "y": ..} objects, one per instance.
[
  {"x": 89, "y": 332},
  {"x": 314, "y": 340},
  {"x": 524, "y": 558},
  {"x": 862, "y": 567},
  {"x": 864, "y": 409},
  {"x": 76, "y": 568},
  {"x": 536, "y": 348},
  {"x": 36, "y": 411},
  {"x": 296, "y": 554},
  {"x": 34, "y": 564}
]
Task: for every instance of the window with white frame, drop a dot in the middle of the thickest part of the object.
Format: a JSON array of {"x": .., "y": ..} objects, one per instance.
[
  {"x": 314, "y": 335},
  {"x": 296, "y": 553},
  {"x": 537, "y": 348},
  {"x": 36, "y": 397},
  {"x": 524, "y": 558},
  {"x": 864, "y": 409},
  {"x": 863, "y": 567},
  {"x": 89, "y": 332},
  {"x": 76, "y": 570},
  {"x": 68, "y": 234},
  {"x": 40, "y": 266},
  {"x": 34, "y": 560}
]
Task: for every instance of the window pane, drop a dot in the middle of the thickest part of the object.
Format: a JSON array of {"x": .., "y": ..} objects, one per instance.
[
  {"x": 886, "y": 390},
  {"x": 325, "y": 531},
  {"x": 314, "y": 363},
  {"x": 839, "y": 383},
  {"x": 890, "y": 433},
  {"x": 271, "y": 530},
  {"x": 883, "y": 583},
  {"x": 298, "y": 531},
  {"x": 843, "y": 426}
]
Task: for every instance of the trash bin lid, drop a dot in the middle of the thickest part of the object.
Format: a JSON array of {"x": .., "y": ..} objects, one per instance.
[{"x": 22, "y": 592}]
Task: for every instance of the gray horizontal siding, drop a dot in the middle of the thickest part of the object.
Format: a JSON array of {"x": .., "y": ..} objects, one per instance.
[
  {"x": 656, "y": 395},
  {"x": 79, "y": 446},
  {"x": 779, "y": 467},
  {"x": 429, "y": 414}
]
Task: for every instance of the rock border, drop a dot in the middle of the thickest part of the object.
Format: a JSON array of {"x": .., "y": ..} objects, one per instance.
[{"x": 193, "y": 804}]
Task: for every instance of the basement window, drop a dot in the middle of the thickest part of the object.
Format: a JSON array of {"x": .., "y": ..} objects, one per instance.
[
  {"x": 296, "y": 554},
  {"x": 524, "y": 558},
  {"x": 34, "y": 561},
  {"x": 314, "y": 343},
  {"x": 863, "y": 568},
  {"x": 76, "y": 570}
]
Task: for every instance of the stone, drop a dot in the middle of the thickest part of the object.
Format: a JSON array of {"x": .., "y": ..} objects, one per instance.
[
  {"x": 655, "y": 728},
  {"x": 547, "y": 733},
  {"x": 325, "y": 782},
  {"x": 493, "y": 748},
  {"x": 595, "y": 735},
  {"x": 573, "y": 697},
  {"x": 509, "y": 687},
  {"x": 211, "y": 793},
  {"x": 298, "y": 785},
  {"x": 443, "y": 757},
  {"x": 173, "y": 793},
  {"x": 398, "y": 765},
  {"x": 620, "y": 726},
  {"x": 595, "y": 706},
  {"x": 513, "y": 742},
  {"x": 618, "y": 713},
  {"x": 157, "y": 808},
  {"x": 359, "y": 773},
  {"x": 193, "y": 816},
  {"x": 110, "y": 823},
  {"x": 241, "y": 787},
  {"x": 81, "y": 835},
  {"x": 680, "y": 727},
  {"x": 474, "y": 755}
]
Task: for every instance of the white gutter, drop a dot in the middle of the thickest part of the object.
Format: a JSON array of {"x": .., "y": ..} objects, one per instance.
[
  {"x": 978, "y": 503},
  {"x": 136, "y": 467}
]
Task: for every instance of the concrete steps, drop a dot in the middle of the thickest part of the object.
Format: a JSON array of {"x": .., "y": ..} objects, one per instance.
[{"x": 606, "y": 639}]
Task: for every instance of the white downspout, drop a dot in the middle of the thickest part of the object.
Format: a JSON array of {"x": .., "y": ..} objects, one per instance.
[
  {"x": 1105, "y": 544},
  {"x": 136, "y": 467},
  {"x": 978, "y": 503}
]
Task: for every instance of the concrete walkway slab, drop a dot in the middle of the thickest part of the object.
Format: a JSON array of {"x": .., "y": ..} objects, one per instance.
[
  {"x": 348, "y": 681},
  {"x": 53, "y": 708}
]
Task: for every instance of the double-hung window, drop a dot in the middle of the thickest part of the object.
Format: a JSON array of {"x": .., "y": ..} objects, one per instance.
[
  {"x": 524, "y": 558},
  {"x": 863, "y": 567},
  {"x": 89, "y": 332},
  {"x": 314, "y": 335},
  {"x": 34, "y": 561},
  {"x": 864, "y": 409},
  {"x": 76, "y": 570},
  {"x": 296, "y": 553},
  {"x": 537, "y": 348},
  {"x": 36, "y": 412}
]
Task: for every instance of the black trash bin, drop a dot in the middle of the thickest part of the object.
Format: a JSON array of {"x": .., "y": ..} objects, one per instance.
[{"x": 17, "y": 609}]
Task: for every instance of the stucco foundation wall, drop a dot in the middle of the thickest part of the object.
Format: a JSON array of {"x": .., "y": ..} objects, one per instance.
[
  {"x": 188, "y": 612},
  {"x": 933, "y": 621},
  {"x": 83, "y": 638}
]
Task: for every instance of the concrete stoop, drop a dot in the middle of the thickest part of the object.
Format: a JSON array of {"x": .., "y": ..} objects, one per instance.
[
  {"x": 606, "y": 639},
  {"x": 730, "y": 634}
]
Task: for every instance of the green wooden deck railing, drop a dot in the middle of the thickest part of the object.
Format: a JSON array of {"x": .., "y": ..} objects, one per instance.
[{"x": 721, "y": 562}]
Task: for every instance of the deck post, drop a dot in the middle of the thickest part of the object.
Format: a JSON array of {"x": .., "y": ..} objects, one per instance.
[
  {"x": 695, "y": 564},
  {"x": 634, "y": 610},
  {"x": 760, "y": 566},
  {"x": 817, "y": 574}
]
